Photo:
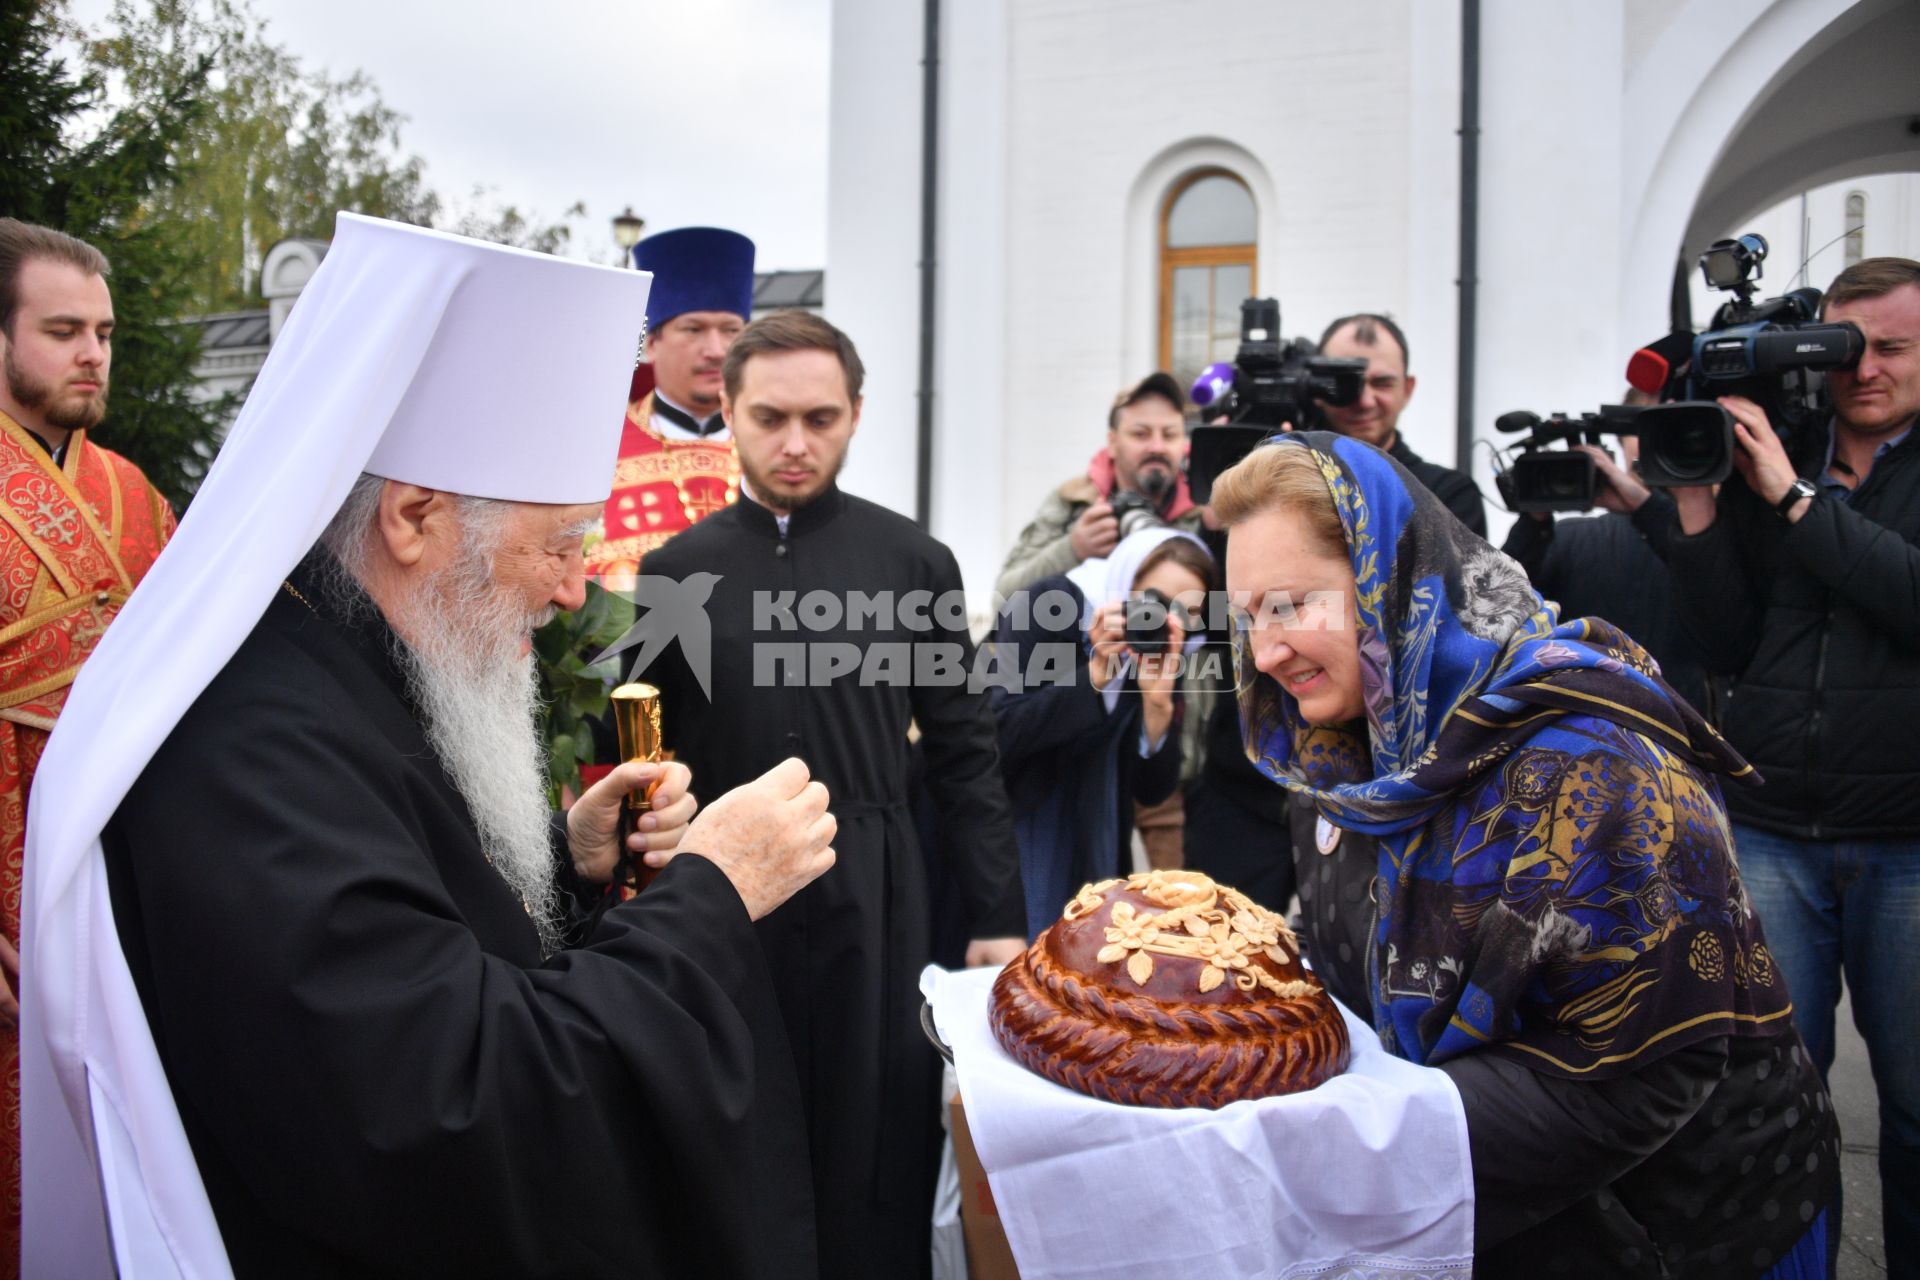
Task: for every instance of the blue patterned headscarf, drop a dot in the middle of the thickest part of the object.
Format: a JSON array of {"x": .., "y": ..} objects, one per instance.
[{"x": 1555, "y": 869}]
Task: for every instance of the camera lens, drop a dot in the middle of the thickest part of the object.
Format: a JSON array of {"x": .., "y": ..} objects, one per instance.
[
  {"x": 1691, "y": 451},
  {"x": 1134, "y": 512},
  {"x": 1566, "y": 482},
  {"x": 1146, "y": 621},
  {"x": 1686, "y": 443}
]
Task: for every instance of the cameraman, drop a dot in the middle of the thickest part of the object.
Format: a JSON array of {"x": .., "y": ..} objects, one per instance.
[
  {"x": 1375, "y": 416},
  {"x": 1803, "y": 581},
  {"x": 1613, "y": 565},
  {"x": 1145, "y": 454}
]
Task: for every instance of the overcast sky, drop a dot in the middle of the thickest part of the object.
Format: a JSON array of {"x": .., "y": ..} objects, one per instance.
[{"x": 695, "y": 111}]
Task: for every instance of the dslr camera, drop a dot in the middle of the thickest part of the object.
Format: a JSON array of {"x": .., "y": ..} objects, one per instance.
[
  {"x": 1146, "y": 621},
  {"x": 1775, "y": 353},
  {"x": 1269, "y": 384},
  {"x": 1135, "y": 511}
]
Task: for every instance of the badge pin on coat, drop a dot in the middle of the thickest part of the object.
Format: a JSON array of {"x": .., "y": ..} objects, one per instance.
[{"x": 1326, "y": 836}]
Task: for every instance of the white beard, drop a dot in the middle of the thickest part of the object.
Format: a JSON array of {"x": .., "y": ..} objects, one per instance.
[{"x": 480, "y": 700}]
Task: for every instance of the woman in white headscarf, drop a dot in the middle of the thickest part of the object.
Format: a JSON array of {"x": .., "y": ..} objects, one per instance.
[{"x": 1091, "y": 724}]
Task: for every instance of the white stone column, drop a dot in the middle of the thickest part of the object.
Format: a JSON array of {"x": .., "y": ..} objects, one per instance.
[
  {"x": 1549, "y": 226},
  {"x": 972, "y": 447},
  {"x": 873, "y": 231},
  {"x": 1432, "y": 317}
]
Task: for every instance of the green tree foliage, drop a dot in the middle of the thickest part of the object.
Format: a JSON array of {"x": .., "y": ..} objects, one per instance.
[
  {"x": 185, "y": 143},
  {"x": 279, "y": 148},
  {"x": 571, "y": 690},
  {"x": 276, "y": 149},
  {"x": 68, "y": 160},
  {"x": 507, "y": 225}
]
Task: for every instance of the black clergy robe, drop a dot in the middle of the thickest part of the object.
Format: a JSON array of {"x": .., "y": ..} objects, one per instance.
[
  {"x": 376, "y": 1071},
  {"x": 847, "y": 950}
]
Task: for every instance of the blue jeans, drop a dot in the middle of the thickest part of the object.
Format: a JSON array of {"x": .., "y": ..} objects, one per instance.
[{"x": 1829, "y": 905}]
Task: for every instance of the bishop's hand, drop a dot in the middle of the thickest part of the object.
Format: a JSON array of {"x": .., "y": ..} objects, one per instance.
[
  {"x": 593, "y": 823},
  {"x": 997, "y": 952},
  {"x": 771, "y": 837}
]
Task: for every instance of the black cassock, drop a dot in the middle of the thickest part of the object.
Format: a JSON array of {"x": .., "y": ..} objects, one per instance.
[
  {"x": 846, "y": 951},
  {"x": 376, "y": 1071}
]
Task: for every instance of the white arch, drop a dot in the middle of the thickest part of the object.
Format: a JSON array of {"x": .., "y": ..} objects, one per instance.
[
  {"x": 1685, "y": 101},
  {"x": 1839, "y": 110},
  {"x": 284, "y": 273},
  {"x": 1140, "y": 330}
]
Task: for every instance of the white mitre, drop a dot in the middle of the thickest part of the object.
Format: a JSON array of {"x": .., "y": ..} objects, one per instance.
[{"x": 415, "y": 355}]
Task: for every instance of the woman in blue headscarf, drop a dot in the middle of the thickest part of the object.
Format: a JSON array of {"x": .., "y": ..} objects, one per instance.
[{"x": 1557, "y": 920}]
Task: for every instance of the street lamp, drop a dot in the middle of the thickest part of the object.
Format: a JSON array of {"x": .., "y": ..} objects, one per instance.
[{"x": 627, "y": 226}]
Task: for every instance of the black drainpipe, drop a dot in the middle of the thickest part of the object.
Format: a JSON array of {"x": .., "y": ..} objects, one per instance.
[
  {"x": 929, "y": 217},
  {"x": 1469, "y": 281}
]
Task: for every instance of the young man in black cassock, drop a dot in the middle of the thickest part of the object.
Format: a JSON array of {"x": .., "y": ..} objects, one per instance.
[{"x": 801, "y": 667}]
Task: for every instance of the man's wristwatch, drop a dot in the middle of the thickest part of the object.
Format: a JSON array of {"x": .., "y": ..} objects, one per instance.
[{"x": 1801, "y": 488}]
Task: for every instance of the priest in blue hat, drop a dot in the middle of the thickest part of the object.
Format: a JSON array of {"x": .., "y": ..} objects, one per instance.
[{"x": 677, "y": 462}]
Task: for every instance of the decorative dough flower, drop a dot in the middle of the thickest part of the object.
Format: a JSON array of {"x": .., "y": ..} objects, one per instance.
[
  {"x": 1129, "y": 932},
  {"x": 1224, "y": 951}
]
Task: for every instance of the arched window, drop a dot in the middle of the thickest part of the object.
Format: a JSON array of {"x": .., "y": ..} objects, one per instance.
[
  {"x": 1207, "y": 259},
  {"x": 1856, "y": 247}
]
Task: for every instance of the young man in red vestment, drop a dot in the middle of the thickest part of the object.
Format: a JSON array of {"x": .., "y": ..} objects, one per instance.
[
  {"x": 677, "y": 463},
  {"x": 79, "y": 527}
]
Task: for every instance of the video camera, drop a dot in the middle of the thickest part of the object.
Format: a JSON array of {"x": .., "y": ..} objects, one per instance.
[
  {"x": 1268, "y": 385},
  {"x": 1773, "y": 352},
  {"x": 1686, "y": 443}
]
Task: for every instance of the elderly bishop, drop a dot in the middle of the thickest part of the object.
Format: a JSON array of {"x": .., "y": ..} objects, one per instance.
[{"x": 320, "y": 987}]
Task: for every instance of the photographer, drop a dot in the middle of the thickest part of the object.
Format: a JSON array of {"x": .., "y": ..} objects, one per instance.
[
  {"x": 1803, "y": 581},
  {"x": 1081, "y": 749},
  {"x": 1146, "y": 447},
  {"x": 1375, "y": 416},
  {"x": 1613, "y": 565},
  {"x": 1135, "y": 481}
]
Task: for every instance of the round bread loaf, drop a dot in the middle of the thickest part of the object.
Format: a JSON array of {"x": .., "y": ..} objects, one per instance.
[{"x": 1168, "y": 990}]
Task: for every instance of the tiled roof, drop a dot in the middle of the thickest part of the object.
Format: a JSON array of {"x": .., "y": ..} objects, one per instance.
[
  {"x": 233, "y": 329},
  {"x": 773, "y": 290}
]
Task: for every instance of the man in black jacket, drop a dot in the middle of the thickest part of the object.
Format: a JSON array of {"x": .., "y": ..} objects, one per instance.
[
  {"x": 1375, "y": 416},
  {"x": 1614, "y": 565},
  {"x": 1803, "y": 581}
]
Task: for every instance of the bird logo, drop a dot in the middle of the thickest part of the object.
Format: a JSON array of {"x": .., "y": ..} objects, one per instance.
[{"x": 673, "y": 609}]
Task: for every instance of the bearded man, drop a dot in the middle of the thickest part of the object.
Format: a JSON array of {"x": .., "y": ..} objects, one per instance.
[
  {"x": 79, "y": 527},
  {"x": 1145, "y": 455},
  {"x": 322, "y": 987},
  {"x": 836, "y": 625}
]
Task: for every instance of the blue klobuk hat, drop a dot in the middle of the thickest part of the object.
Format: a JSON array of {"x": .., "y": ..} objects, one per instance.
[{"x": 696, "y": 269}]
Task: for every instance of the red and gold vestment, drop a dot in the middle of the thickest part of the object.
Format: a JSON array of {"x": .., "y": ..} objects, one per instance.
[
  {"x": 75, "y": 539},
  {"x": 660, "y": 487}
]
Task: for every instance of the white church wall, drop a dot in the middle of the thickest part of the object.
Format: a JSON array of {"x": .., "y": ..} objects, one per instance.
[
  {"x": 1064, "y": 122},
  {"x": 1108, "y": 104}
]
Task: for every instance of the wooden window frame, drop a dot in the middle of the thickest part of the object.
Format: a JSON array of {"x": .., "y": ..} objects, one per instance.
[{"x": 1211, "y": 255}]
